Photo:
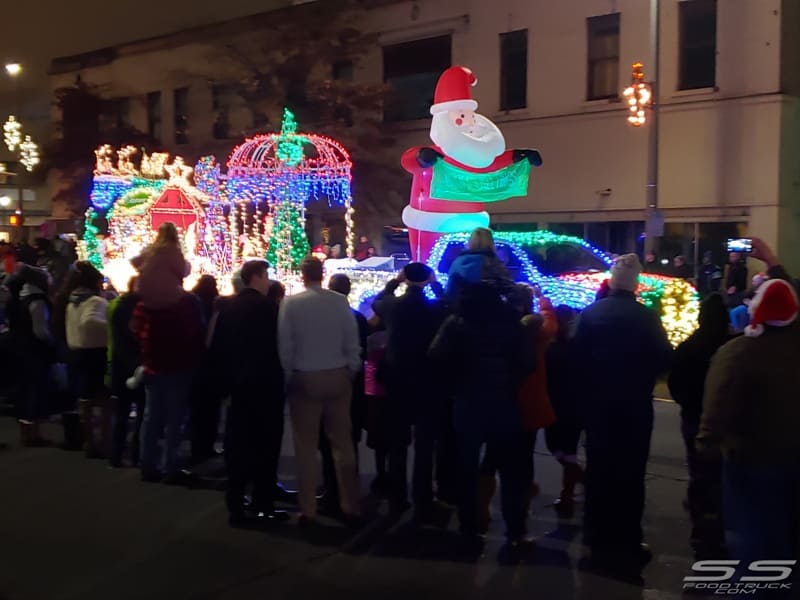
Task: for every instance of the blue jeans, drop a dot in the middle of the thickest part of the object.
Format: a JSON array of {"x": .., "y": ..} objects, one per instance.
[
  {"x": 761, "y": 507},
  {"x": 166, "y": 403}
]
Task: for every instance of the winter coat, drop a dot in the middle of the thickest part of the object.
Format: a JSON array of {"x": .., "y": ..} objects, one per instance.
[
  {"x": 172, "y": 339},
  {"x": 162, "y": 269},
  {"x": 563, "y": 386},
  {"x": 415, "y": 322},
  {"x": 621, "y": 349},
  {"x": 86, "y": 320},
  {"x": 484, "y": 353},
  {"x": 473, "y": 268},
  {"x": 534, "y": 400},
  {"x": 123, "y": 350},
  {"x": 693, "y": 358},
  {"x": 750, "y": 408}
]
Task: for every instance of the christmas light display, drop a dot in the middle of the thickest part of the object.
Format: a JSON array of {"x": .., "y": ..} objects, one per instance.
[
  {"x": 29, "y": 154},
  {"x": 12, "y": 133},
  {"x": 674, "y": 299},
  {"x": 288, "y": 243},
  {"x": 639, "y": 96},
  {"x": 271, "y": 170}
]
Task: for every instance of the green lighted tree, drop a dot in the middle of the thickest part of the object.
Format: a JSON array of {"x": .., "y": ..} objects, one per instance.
[{"x": 288, "y": 244}]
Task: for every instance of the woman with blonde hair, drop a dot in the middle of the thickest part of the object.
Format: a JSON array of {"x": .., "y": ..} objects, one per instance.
[
  {"x": 478, "y": 265},
  {"x": 162, "y": 269}
]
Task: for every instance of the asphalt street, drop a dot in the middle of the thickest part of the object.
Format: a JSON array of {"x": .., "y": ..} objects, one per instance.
[{"x": 73, "y": 529}]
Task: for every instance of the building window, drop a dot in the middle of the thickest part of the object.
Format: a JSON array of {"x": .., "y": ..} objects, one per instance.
[
  {"x": 342, "y": 70},
  {"x": 154, "y": 115},
  {"x": 221, "y": 101},
  {"x": 513, "y": 69},
  {"x": 603, "y": 57},
  {"x": 411, "y": 70},
  {"x": 117, "y": 114},
  {"x": 698, "y": 44},
  {"x": 181, "y": 101}
]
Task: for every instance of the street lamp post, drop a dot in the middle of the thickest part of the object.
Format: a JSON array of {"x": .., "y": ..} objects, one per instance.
[{"x": 643, "y": 104}]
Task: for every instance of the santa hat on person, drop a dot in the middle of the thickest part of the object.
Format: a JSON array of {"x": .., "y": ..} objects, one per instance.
[
  {"x": 453, "y": 91},
  {"x": 774, "y": 304}
]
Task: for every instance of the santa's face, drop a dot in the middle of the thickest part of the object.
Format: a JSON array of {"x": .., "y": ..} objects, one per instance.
[{"x": 467, "y": 137}]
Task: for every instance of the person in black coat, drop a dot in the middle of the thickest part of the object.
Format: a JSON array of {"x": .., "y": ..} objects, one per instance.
[
  {"x": 621, "y": 349},
  {"x": 358, "y": 408},
  {"x": 736, "y": 279},
  {"x": 125, "y": 358},
  {"x": 246, "y": 349},
  {"x": 686, "y": 384},
  {"x": 484, "y": 352},
  {"x": 414, "y": 397}
]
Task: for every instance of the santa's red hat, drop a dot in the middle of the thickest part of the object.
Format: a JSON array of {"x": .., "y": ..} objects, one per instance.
[
  {"x": 453, "y": 92},
  {"x": 774, "y": 304}
]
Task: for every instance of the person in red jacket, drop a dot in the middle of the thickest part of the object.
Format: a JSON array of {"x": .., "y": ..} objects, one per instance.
[
  {"x": 467, "y": 166},
  {"x": 172, "y": 341}
]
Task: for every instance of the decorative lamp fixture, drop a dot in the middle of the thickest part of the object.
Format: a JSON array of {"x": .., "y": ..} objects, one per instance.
[
  {"x": 29, "y": 153},
  {"x": 639, "y": 96},
  {"x": 12, "y": 133}
]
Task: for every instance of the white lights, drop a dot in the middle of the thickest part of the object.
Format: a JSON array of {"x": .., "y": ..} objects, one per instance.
[
  {"x": 5, "y": 201},
  {"x": 29, "y": 153},
  {"x": 13, "y": 69},
  {"x": 12, "y": 133},
  {"x": 639, "y": 97}
]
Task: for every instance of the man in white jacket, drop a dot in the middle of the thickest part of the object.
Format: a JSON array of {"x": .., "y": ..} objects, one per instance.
[{"x": 320, "y": 354}]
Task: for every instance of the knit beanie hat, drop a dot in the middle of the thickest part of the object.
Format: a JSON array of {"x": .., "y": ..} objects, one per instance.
[
  {"x": 417, "y": 272},
  {"x": 774, "y": 304},
  {"x": 625, "y": 273}
]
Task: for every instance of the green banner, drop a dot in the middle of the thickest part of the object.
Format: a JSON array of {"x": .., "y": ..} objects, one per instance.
[{"x": 453, "y": 183}]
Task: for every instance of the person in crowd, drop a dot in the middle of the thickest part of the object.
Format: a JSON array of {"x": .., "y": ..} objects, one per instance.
[
  {"x": 246, "y": 350},
  {"x": 536, "y": 411},
  {"x": 376, "y": 398},
  {"x": 686, "y": 383},
  {"x": 221, "y": 303},
  {"x": 652, "y": 264},
  {"x": 415, "y": 322},
  {"x": 736, "y": 279},
  {"x": 207, "y": 292},
  {"x": 681, "y": 269},
  {"x": 162, "y": 268},
  {"x": 618, "y": 416},
  {"x": 484, "y": 353},
  {"x": 205, "y": 399},
  {"x": 172, "y": 341},
  {"x": 478, "y": 264},
  {"x": 86, "y": 330},
  {"x": 320, "y": 353},
  {"x": 739, "y": 315},
  {"x": 336, "y": 251},
  {"x": 340, "y": 283},
  {"x": 277, "y": 292},
  {"x": 7, "y": 256},
  {"x": 371, "y": 252},
  {"x": 710, "y": 277},
  {"x": 124, "y": 358},
  {"x": 749, "y": 420},
  {"x": 29, "y": 311},
  {"x": 362, "y": 248},
  {"x": 562, "y": 437}
]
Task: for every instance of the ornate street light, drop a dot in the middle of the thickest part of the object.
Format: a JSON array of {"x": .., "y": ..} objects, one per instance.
[
  {"x": 639, "y": 96},
  {"x": 12, "y": 133},
  {"x": 29, "y": 153}
]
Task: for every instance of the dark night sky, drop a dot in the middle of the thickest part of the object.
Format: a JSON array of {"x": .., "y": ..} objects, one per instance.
[{"x": 74, "y": 26}]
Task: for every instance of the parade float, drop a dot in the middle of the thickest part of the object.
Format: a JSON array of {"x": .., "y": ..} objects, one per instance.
[{"x": 256, "y": 209}]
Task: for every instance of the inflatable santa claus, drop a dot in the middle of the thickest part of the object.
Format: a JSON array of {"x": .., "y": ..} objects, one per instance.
[{"x": 467, "y": 167}]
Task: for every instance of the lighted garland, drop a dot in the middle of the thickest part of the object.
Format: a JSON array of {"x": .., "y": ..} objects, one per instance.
[
  {"x": 673, "y": 299},
  {"x": 91, "y": 243},
  {"x": 288, "y": 244}
]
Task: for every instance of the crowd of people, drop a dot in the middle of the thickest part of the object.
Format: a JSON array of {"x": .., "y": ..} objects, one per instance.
[{"x": 467, "y": 375}]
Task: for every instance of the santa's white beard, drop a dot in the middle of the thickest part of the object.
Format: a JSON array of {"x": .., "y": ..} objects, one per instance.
[{"x": 477, "y": 147}]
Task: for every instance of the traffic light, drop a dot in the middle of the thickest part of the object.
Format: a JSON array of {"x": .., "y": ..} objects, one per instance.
[{"x": 15, "y": 220}]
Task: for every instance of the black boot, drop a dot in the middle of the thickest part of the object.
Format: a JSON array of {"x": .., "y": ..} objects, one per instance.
[{"x": 73, "y": 431}]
